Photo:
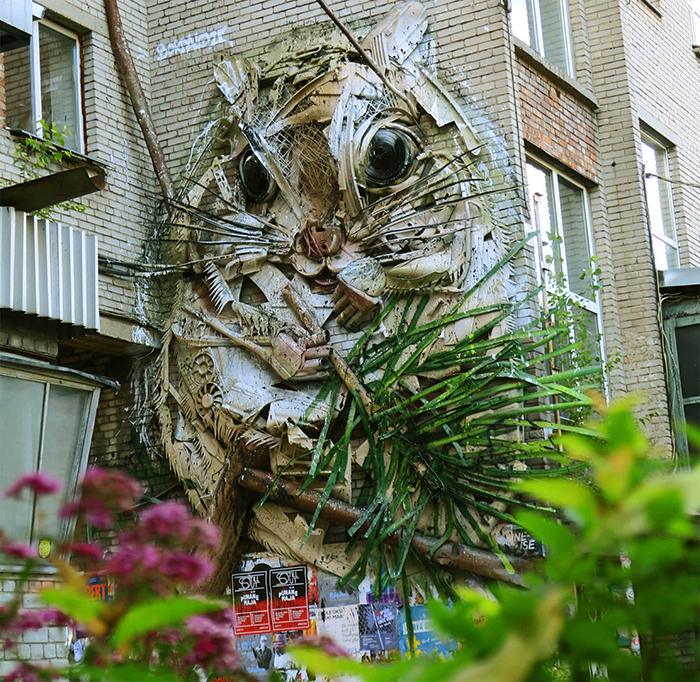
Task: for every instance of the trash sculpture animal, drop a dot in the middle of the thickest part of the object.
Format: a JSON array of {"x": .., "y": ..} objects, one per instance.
[{"x": 348, "y": 325}]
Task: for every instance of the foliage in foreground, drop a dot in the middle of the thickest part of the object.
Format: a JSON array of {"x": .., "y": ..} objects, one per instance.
[
  {"x": 623, "y": 562},
  {"x": 152, "y": 630}
]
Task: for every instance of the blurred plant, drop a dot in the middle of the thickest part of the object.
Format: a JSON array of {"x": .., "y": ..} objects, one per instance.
[
  {"x": 35, "y": 154},
  {"x": 621, "y": 560},
  {"x": 151, "y": 630}
]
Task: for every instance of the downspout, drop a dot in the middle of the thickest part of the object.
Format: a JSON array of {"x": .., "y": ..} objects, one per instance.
[{"x": 122, "y": 55}]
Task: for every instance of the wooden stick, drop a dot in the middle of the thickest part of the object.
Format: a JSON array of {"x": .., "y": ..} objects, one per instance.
[{"x": 449, "y": 554}]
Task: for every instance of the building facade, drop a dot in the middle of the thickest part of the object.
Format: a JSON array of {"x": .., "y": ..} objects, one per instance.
[{"x": 589, "y": 112}]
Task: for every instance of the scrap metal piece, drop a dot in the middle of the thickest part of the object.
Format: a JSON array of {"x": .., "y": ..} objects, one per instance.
[{"x": 34, "y": 195}]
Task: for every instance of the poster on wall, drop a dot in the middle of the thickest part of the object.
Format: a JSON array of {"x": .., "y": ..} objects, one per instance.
[
  {"x": 289, "y": 599},
  {"x": 425, "y": 640},
  {"x": 340, "y": 623},
  {"x": 378, "y": 627},
  {"x": 251, "y": 603}
]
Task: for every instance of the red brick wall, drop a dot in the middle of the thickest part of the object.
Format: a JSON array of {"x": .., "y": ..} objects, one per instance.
[{"x": 555, "y": 122}]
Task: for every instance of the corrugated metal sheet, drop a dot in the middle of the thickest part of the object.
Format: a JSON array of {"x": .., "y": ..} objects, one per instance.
[{"x": 48, "y": 269}]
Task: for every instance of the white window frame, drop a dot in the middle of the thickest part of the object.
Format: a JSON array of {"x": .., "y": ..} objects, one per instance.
[
  {"x": 662, "y": 152},
  {"x": 537, "y": 34},
  {"x": 591, "y": 305},
  {"x": 35, "y": 76}
]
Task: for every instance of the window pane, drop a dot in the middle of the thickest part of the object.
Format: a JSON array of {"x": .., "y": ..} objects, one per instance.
[
  {"x": 59, "y": 103},
  {"x": 20, "y": 433},
  {"x": 576, "y": 249},
  {"x": 659, "y": 205},
  {"x": 18, "y": 89},
  {"x": 543, "y": 216},
  {"x": 554, "y": 33},
  {"x": 63, "y": 444},
  {"x": 665, "y": 255},
  {"x": 520, "y": 21},
  {"x": 688, "y": 344}
]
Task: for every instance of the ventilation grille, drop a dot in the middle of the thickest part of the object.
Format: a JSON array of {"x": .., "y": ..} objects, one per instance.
[{"x": 48, "y": 269}]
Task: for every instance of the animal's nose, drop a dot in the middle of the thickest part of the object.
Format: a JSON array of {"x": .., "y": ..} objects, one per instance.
[{"x": 322, "y": 239}]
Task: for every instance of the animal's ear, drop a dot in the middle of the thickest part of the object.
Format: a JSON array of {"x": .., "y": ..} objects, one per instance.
[
  {"x": 238, "y": 82},
  {"x": 395, "y": 37}
]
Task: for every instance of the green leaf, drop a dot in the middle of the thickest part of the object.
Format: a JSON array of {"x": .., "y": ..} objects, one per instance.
[
  {"x": 123, "y": 672},
  {"x": 160, "y": 613},
  {"x": 322, "y": 663},
  {"x": 561, "y": 493},
  {"x": 75, "y": 604}
]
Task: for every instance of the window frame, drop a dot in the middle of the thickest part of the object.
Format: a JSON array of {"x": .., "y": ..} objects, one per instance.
[
  {"x": 35, "y": 81},
  {"x": 36, "y": 371},
  {"x": 658, "y": 144},
  {"x": 592, "y": 305},
  {"x": 536, "y": 32},
  {"x": 675, "y": 317}
]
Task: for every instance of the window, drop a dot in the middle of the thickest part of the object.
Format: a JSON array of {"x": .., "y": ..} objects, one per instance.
[
  {"x": 43, "y": 83},
  {"x": 544, "y": 26},
  {"x": 659, "y": 203},
  {"x": 45, "y": 425},
  {"x": 682, "y": 333},
  {"x": 565, "y": 259},
  {"x": 695, "y": 25}
]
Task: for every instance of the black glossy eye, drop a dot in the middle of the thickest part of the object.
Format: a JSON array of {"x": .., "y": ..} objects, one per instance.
[
  {"x": 390, "y": 157},
  {"x": 257, "y": 183}
]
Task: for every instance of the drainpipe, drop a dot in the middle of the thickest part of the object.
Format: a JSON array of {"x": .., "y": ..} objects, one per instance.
[{"x": 120, "y": 47}]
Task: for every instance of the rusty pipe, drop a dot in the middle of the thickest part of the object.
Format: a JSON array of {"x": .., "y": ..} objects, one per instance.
[
  {"x": 449, "y": 554},
  {"x": 122, "y": 55}
]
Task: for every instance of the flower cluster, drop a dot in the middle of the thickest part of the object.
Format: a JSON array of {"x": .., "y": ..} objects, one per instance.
[
  {"x": 103, "y": 493},
  {"x": 165, "y": 551},
  {"x": 212, "y": 646}
]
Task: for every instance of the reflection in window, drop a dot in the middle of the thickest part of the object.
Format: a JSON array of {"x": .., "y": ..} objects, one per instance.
[
  {"x": 544, "y": 26},
  {"x": 659, "y": 204},
  {"x": 559, "y": 212},
  {"x": 43, "y": 83}
]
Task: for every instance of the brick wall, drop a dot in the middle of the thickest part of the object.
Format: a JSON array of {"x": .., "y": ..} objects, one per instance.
[
  {"x": 555, "y": 122},
  {"x": 43, "y": 646}
]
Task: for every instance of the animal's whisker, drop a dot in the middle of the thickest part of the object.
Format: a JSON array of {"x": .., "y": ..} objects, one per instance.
[{"x": 378, "y": 204}]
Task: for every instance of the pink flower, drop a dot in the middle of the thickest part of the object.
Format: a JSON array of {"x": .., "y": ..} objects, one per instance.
[
  {"x": 87, "y": 550},
  {"x": 213, "y": 645},
  {"x": 204, "y": 534},
  {"x": 130, "y": 562},
  {"x": 114, "y": 489},
  {"x": 327, "y": 644},
  {"x": 18, "y": 550},
  {"x": 190, "y": 569},
  {"x": 166, "y": 520},
  {"x": 96, "y": 512},
  {"x": 38, "y": 483},
  {"x": 34, "y": 619},
  {"x": 25, "y": 672}
]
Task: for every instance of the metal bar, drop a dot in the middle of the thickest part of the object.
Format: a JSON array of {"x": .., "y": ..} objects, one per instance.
[{"x": 34, "y": 195}]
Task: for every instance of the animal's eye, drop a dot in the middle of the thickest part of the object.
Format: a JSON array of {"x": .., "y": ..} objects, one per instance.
[
  {"x": 258, "y": 185},
  {"x": 391, "y": 156}
]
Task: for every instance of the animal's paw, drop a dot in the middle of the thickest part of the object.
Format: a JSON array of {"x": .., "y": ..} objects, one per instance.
[{"x": 358, "y": 296}]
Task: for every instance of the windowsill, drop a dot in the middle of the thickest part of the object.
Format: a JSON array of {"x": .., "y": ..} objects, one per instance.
[
  {"x": 546, "y": 68},
  {"x": 90, "y": 160},
  {"x": 9, "y": 570},
  {"x": 653, "y": 7}
]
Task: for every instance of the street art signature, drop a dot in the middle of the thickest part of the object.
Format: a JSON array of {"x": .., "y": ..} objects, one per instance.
[{"x": 344, "y": 256}]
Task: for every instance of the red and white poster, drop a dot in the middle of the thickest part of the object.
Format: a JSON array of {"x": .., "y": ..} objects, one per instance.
[
  {"x": 290, "y": 603},
  {"x": 251, "y": 603}
]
